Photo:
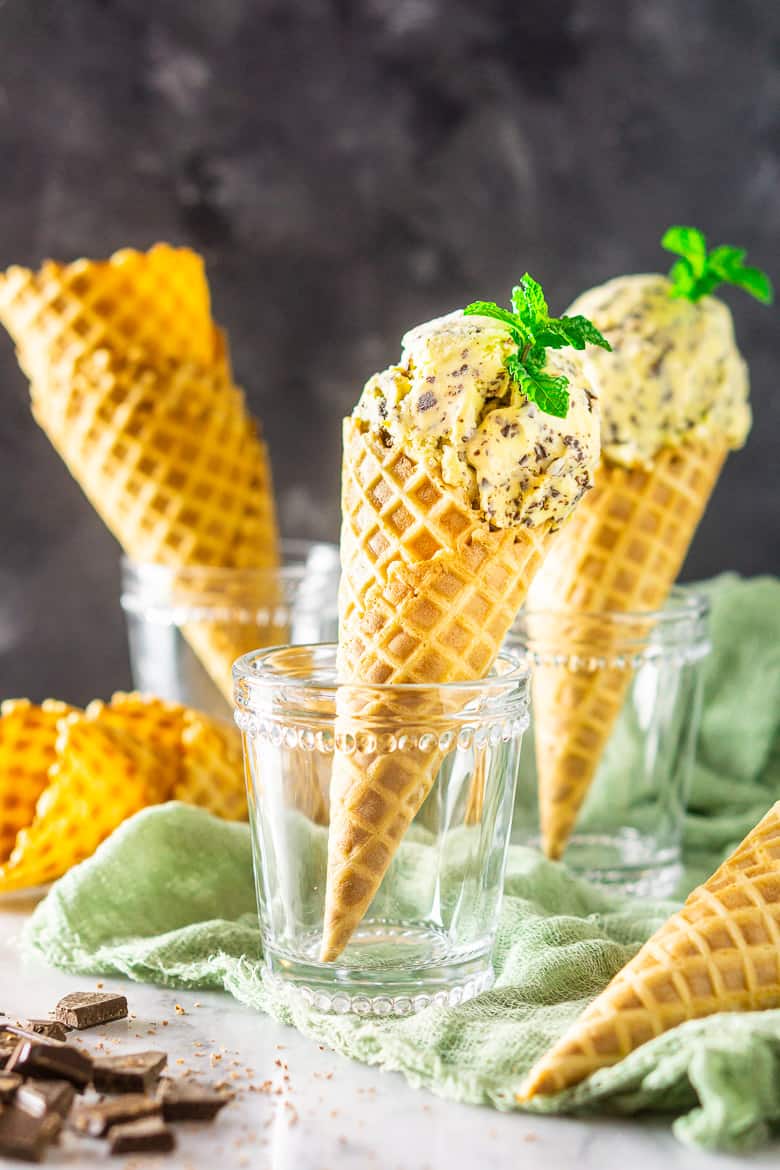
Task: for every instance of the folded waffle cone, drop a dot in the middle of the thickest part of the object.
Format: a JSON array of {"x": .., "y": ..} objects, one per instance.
[
  {"x": 82, "y": 773},
  {"x": 131, "y": 382},
  {"x": 428, "y": 594},
  {"x": 621, "y": 551},
  {"x": 28, "y": 734},
  {"x": 720, "y": 953},
  {"x": 100, "y": 777},
  {"x": 213, "y": 768}
]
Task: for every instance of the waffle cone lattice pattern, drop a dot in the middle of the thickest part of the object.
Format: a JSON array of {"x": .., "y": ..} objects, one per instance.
[
  {"x": 28, "y": 735},
  {"x": 131, "y": 381},
  {"x": 71, "y": 777},
  {"x": 428, "y": 594},
  {"x": 156, "y": 302},
  {"x": 621, "y": 551},
  {"x": 721, "y": 952}
]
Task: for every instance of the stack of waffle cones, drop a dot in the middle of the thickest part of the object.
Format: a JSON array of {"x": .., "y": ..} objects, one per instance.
[
  {"x": 70, "y": 777},
  {"x": 721, "y": 952},
  {"x": 428, "y": 594},
  {"x": 621, "y": 552},
  {"x": 131, "y": 381}
]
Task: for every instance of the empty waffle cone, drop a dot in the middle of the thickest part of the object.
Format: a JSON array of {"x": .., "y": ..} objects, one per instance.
[
  {"x": 428, "y": 594},
  {"x": 156, "y": 301},
  {"x": 131, "y": 382},
  {"x": 175, "y": 467},
  {"x": 28, "y": 734},
  {"x": 720, "y": 953},
  {"x": 100, "y": 777},
  {"x": 621, "y": 551}
]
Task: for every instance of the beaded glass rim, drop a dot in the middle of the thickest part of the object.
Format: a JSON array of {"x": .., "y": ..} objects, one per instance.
[
  {"x": 682, "y": 604},
  {"x": 254, "y": 674}
]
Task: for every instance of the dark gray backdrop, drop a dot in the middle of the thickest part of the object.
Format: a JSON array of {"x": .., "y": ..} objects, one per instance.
[{"x": 351, "y": 168}]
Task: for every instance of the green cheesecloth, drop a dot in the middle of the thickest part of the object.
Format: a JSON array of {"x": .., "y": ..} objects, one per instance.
[{"x": 169, "y": 899}]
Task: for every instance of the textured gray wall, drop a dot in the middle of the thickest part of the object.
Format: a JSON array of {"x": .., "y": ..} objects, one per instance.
[{"x": 350, "y": 168}]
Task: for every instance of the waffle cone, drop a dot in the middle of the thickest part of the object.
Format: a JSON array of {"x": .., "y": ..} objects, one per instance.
[
  {"x": 156, "y": 301},
  {"x": 28, "y": 735},
  {"x": 621, "y": 551},
  {"x": 721, "y": 952},
  {"x": 173, "y": 464},
  {"x": 428, "y": 593},
  {"x": 131, "y": 381}
]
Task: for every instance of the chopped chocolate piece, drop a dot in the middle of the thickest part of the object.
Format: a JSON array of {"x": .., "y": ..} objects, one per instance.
[
  {"x": 51, "y": 1061},
  {"x": 26, "y": 1137},
  {"x": 96, "y": 1120},
  {"x": 136, "y": 1072},
  {"x": 87, "y": 1009},
  {"x": 42, "y": 1097},
  {"x": 9, "y": 1083},
  {"x": 52, "y": 1029},
  {"x": 7, "y": 1045},
  {"x": 189, "y": 1101},
  {"x": 17, "y": 1030},
  {"x": 150, "y": 1135}
]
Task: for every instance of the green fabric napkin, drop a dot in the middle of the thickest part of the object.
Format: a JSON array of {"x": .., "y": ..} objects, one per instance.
[{"x": 169, "y": 899}]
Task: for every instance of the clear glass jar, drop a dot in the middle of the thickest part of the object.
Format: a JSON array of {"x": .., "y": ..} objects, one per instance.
[
  {"x": 428, "y": 934},
  {"x": 615, "y": 712},
  {"x": 187, "y": 626}
]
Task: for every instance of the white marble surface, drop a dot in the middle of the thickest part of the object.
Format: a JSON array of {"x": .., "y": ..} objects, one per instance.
[{"x": 321, "y": 1111}]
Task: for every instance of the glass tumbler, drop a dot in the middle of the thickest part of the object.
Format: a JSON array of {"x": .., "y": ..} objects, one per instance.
[
  {"x": 606, "y": 767},
  {"x": 186, "y": 626},
  {"x": 428, "y": 933}
]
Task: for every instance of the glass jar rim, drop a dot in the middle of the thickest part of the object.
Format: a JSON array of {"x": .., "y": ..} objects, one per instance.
[
  {"x": 249, "y": 681},
  {"x": 296, "y": 561},
  {"x": 308, "y": 574},
  {"x": 683, "y": 604},
  {"x": 592, "y": 640}
]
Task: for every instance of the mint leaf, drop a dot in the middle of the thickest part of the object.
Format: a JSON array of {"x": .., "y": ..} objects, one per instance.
[
  {"x": 489, "y": 309},
  {"x": 549, "y": 393},
  {"x": 534, "y": 331},
  {"x": 755, "y": 282},
  {"x": 699, "y": 272},
  {"x": 577, "y": 332},
  {"x": 688, "y": 242},
  {"x": 528, "y": 301},
  {"x": 682, "y": 278},
  {"x": 725, "y": 259}
]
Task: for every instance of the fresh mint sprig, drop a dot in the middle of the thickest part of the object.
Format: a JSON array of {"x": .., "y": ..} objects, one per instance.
[
  {"x": 534, "y": 331},
  {"x": 698, "y": 271}
]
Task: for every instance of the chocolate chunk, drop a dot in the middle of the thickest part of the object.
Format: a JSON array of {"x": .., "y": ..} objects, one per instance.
[
  {"x": 189, "y": 1101},
  {"x": 25, "y": 1137},
  {"x": 8, "y": 1044},
  {"x": 9, "y": 1083},
  {"x": 97, "y": 1120},
  {"x": 18, "y": 1030},
  {"x": 150, "y": 1135},
  {"x": 42, "y": 1097},
  {"x": 51, "y": 1029},
  {"x": 87, "y": 1009},
  {"x": 51, "y": 1061},
  {"x": 136, "y": 1072}
]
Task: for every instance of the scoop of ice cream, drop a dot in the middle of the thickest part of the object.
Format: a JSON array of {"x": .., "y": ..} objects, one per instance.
[
  {"x": 674, "y": 372},
  {"x": 451, "y": 401}
]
